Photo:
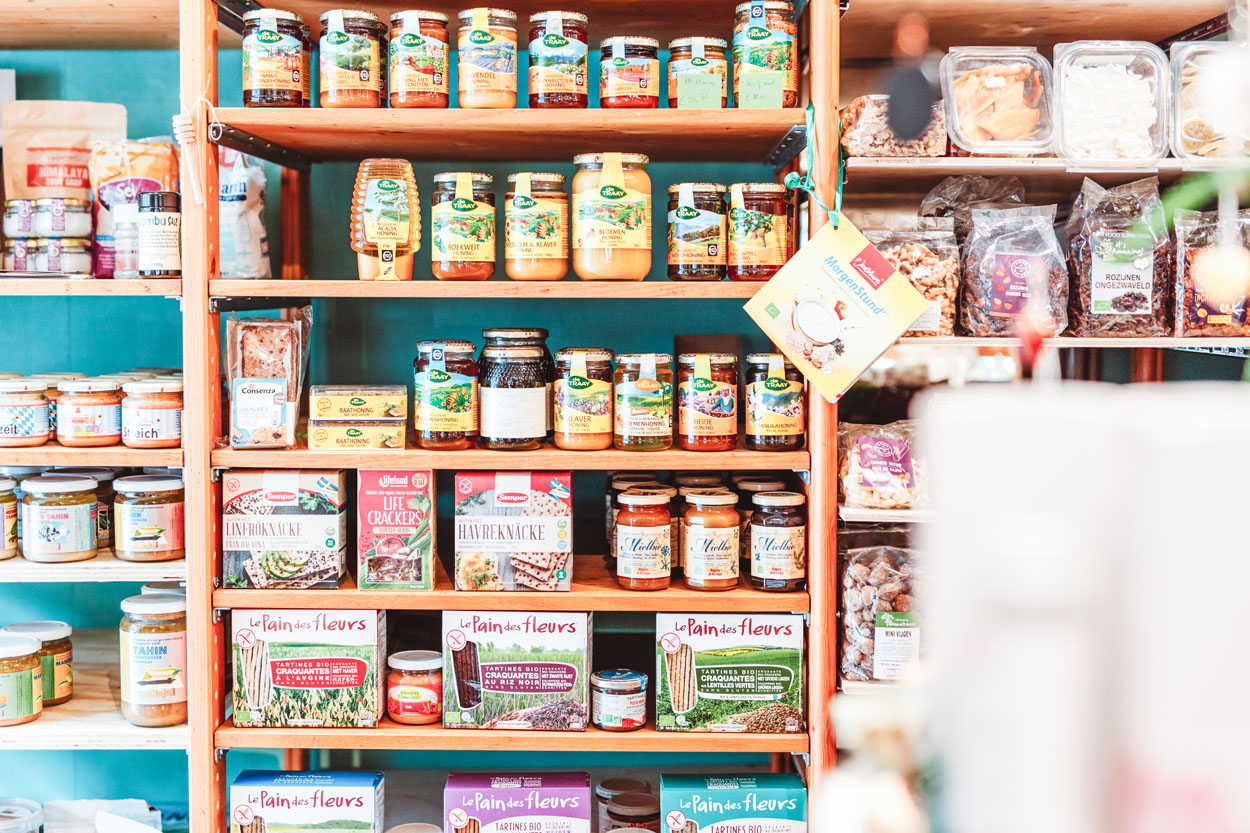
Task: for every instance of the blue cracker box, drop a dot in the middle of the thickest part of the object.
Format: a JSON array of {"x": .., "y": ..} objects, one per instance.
[
  {"x": 766, "y": 803},
  {"x": 299, "y": 802}
]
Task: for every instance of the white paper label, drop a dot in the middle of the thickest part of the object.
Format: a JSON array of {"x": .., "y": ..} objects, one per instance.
[
  {"x": 710, "y": 554},
  {"x": 643, "y": 552},
  {"x": 778, "y": 552},
  {"x": 514, "y": 413},
  {"x": 896, "y": 649},
  {"x": 930, "y": 320}
]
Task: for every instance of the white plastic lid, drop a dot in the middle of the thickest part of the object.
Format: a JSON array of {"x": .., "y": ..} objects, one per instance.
[
  {"x": 7, "y": 484},
  {"x": 60, "y": 374},
  {"x": 20, "y": 815},
  {"x": 24, "y": 385},
  {"x": 416, "y": 660},
  {"x": 48, "y": 630},
  {"x": 176, "y": 586},
  {"x": 997, "y": 99},
  {"x": 88, "y": 385},
  {"x": 48, "y": 484},
  {"x": 644, "y": 497},
  {"x": 778, "y": 499},
  {"x": 153, "y": 386},
  {"x": 12, "y": 645},
  {"x": 147, "y": 483},
  {"x": 711, "y": 497},
  {"x": 155, "y": 603},
  {"x": 634, "y": 804},
  {"x": 1118, "y": 75},
  {"x": 100, "y": 475},
  {"x": 18, "y": 471}
]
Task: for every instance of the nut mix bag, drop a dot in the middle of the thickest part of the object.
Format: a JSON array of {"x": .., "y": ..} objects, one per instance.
[
  {"x": 930, "y": 260},
  {"x": 958, "y": 196},
  {"x": 1014, "y": 266},
  {"x": 1200, "y": 311},
  {"x": 880, "y": 626},
  {"x": 878, "y": 467}
]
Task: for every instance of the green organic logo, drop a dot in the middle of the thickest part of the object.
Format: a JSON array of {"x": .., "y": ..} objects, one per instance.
[
  {"x": 555, "y": 41},
  {"x": 773, "y": 383},
  {"x": 703, "y": 385},
  {"x": 411, "y": 41},
  {"x": 461, "y": 204},
  {"x": 337, "y": 38},
  {"x": 686, "y": 212},
  {"x": 758, "y": 33},
  {"x": 357, "y": 401},
  {"x": 268, "y": 36},
  {"x": 698, "y": 62},
  {"x": 772, "y": 310},
  {"x": 620, "y": 62},
  {"x": 355, "y": 432},
  {"x": 481, "y": 36},
  {"x": 388, "y": 185},
  {"x": 579, "y": 382},
  {"x": 611, "y": 192},
  {"x": 439, "y": 376},
  {"x": 521, "y": 201}
]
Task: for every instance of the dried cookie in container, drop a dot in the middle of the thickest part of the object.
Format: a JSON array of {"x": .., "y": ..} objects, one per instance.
[
  {"x": 877, "y": 466},
  {"x": 880, "y": 625}
]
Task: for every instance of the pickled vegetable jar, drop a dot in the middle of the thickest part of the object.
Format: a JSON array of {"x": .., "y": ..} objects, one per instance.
[
  {"x": 514, "y": 399},
  {"x": 776, "y": 420},
  {"x": 643, "y": 402},
  {"x": 444, "y": 403},
  {"x": 707, "y": 395},
  {"x": 778, "y": 541},
  {"x": 59, "y": 518},
  {"x": 611, "y": 217},
  {"x": 56, "y": 657},
  {"x": 643, "y": 540},
  {"x": 765, "y": 41},
  {"x": 629, "y": 73},
  {"x": 353, "y": 42},
  {"x": 417, "y": 60},
  {"x": 487, "y": 59},
  {"x": 709, "y": 539},
  {"x": 759, "y": 230},
  {"x": 536, "y": 227},
  {"x": 275, "y": 59},
  {"x": 583, "y": 399},
  {"x": 557, "y": 50},
  {"x": 23, "y": 413},
  {"x": 693, "y": 57},
  {"x": 89, "y": 413},
  {"x": 21, "y": 680},
  {"x": 697, "y": 249},
  {"x": 149, "y": 513},
  {"x": 462, "y": 227},
  {"x": 154, "y": 660}
]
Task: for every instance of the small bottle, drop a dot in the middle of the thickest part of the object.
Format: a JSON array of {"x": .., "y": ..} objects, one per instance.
[
  {"x": 126, "y": 241},
  {"x": 160, "y": 235}
]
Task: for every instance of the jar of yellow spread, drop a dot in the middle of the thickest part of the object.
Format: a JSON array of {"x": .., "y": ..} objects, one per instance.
[
  {"x": 103, "y": 500},
  {"x": 583, "y": 399},
  {"x": 154, "y": 660},
  {"x": 21, "y": 680},
  {"x": 8, "y": 517},
  {"x": 536, "y": 227},
  {"x": 149, "y": 512},
  {"x": 59, "y": 518},
  {"x": 56, "y": 657},
  {"x": 152, "y": 414},
  {"x": 611, "y": 217},
  {"x": 487, "y": 55},
  {"x": 23, "y": 413},
  {"x": 89, "y": 413}
]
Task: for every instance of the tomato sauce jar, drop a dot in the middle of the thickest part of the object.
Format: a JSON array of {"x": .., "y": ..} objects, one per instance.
[{"x": 414, "y": 687}]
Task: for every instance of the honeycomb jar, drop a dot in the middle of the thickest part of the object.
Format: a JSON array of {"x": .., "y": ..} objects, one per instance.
[
  {"x": 629, "y": 73},
  {"x": 353, "y": 43},
  {"x": 417, "y": 75},
  {"x": 707, "y": 397},
  {"x": 557, "y": 55},
  {"x": 462, "y": 227},
  {"x": 275, "y": 59},
  {"x": 697, "y": 247}
]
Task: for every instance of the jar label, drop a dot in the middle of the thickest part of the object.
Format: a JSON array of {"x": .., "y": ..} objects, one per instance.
[
  {"x": 775, "y": 403},
  {"x": 56, "y": 671},
  {"x": 418, "y": 62},
  {"x": 644, "y": 408},
  {"x": 154, "y": 422},
  {"x": 150, "y": 528},
  {"x": 463, "y": 228},
  {"x": 160, "y": 241},
  {"x": 103, "y": 524},
  {"x": 273, "y": 61},
  {"x": 514, "y": 413},
  {"x": 643, "y": 552},
  {"x": 387, "y": 215},
  {"x": 698, "y": 66},
  {"x": 610, "y": 215},
  {"x": 21, "y": 422},
  {"x": 8, "y": 517},
  {"x": 487, "y": 59},
  {"x": 618, "y": 711},
  {"x": 696, "y": 237},
  {"x": 349, "y": 62},
  {"x": 535, "y": 228},
  {"x": 756, "y": 238},
  {"x": 629, "y": 76},
  {"x": 153, "y": 668},
  {"x": 896, "y": 645},
  {"x": 557, "y": 65},
  {"x": 582, "y": 405},
  {"x": 758, "y": 48},
  {"x": 424, "y": 702},
  {"x": 707, "y": 407},
  {"x": 778, "y": 552},
  {"x": 21, "y": 694},
  {"x": 50, "y": 530},
  {"x": 710, "y": 553},
  {"x": 444, "y": 402}
]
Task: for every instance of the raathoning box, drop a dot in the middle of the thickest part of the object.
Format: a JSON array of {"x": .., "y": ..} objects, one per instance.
[
  {"x": 523, "y": 802},
  {"x": 303, "y": 802},
  {"x": 765, "y": 803}
]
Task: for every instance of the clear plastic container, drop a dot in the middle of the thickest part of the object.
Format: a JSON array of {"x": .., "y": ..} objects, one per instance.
[
  {"x": 997, "y": 99},
  {"x": 1111, "y": 101},
  {"x": 1198, "y": 131}
]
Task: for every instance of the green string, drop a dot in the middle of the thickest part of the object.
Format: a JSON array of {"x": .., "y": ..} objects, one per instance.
[{"x": 806, "y": 183}]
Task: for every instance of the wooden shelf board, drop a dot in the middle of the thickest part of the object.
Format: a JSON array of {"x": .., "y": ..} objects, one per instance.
[
  {"x": 54, "y": 454},
  {"x": 92, "y": 718},
  {"x": 1062, "y": 342},
  {"x": 508, "y": 135},
  {"x": 67, "y": 286},
  {"x": 500, "y": 288},
  {"x": 855, "y": 515},
  {"x": 104, "y": 567},
  {"x": 593, "y": 589},
  {"x": 101, "y": 24}
]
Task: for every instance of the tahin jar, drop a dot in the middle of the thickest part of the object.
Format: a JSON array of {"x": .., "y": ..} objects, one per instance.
[
  {"x": 618, "y": 700},
  {"x": 765, "y": 40},
  {"x": 583, "y": 399},
  {"x": 462, "y": 227},
  {"x": 487, "y": 59},
  {"x": 611, "y": 217},
  {"x": 351, "y": 58},
  {"x": 709, "y": 539},
  {"x": 707, "y": 395},
  {"x": 154, "y": 660},
  {"x": 417, "y": 60},
  {"x": 148, "y": 518},
  {"x": 557, "y": 50},
  {"x": 58, "y": 518},
  {"x": 21, "y": 680},
  {"x": 514, "y": 399},
  {"x": 275, "y": 59},
  {"x": 536, "y": 227},
  {"x": 104, "y": 496},
  {"x": 643, "y": 540},
  {"x": 759, "y": 230},
  {"x": 629, "y": 73},
  {"x": 697, "y": 249},
  {"x": 776, "y": 420},
  {"x": 445, "y": 395},
  {"x": 56, "y": 657},
  {"x": 414, "y": 687},
  {"x": 778, "y": 541},
  {"x": 643, "y": 406},
  {"x": 697, "y": 56}
]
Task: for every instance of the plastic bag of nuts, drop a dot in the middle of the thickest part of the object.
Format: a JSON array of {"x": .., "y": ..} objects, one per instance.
[
  {"x": 1121, "y": 260},
  {"x": 930, "y": 260},
  {"x": 1014, "y": 266},
  {"x": 880, "y": 626},
  {"x": 1200, "y": 308},
  {"x": 878, "y": 467},
  {"x": 866, "y": 131},
  {"x": 958, "y": 196}
]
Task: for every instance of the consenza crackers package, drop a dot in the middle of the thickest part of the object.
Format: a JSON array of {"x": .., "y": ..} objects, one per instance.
[{"x": 514, "y": 530}]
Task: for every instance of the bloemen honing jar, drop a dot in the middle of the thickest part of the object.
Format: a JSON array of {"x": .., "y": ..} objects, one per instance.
[{"x": 611, "y": 217}]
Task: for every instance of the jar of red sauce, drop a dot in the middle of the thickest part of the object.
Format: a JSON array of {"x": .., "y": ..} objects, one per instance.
[
  {"x": 414, "y": 687},
  {"x": 557, "y": 52},
  {"x": 644, "y": 540},
  {"x": 629, "y": 73},
  {"x": 707, "y": 394},
  {"x": 759, "y": 230}
]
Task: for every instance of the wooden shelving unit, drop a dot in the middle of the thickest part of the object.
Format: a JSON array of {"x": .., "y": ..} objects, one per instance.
[
  {"x": 55, "y": 454},
  {"x": 505, "y": 289},
  {"x": 53, "y": 287},
  {"x": 104, "y": 567}
]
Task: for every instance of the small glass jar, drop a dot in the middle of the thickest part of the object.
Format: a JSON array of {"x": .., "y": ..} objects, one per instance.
[
  {"x": 152, "y": 414},
  {"x": 417, "y": 60},
  {"x": 57, "y": 217},
  {"x": 89, "y": 413},
  {"x": 629, "y": 73},
  {"x": 609, "y": 788},
  {"x": 643, "y": 402},
  {"x": 20, "y": 474},
  {"x": 445, "y": 395},
  {"x": 697, "y": 245},
  {"x": 18, "y": 256},
  {"x": 707, "y": 394},
  {"x": 65, "y": 255},
  {"x": 636, "y": 811},
  {"x": 462, "y": 227},
  {"x": 19, "y": 218},
  {"x": 766, "y": 40},
  {"x": 353, "y": 43},
  {"x": 557, "y": 52},
  {"x": 583, "y": 399},
  {"x": 618, "y": 483},
  {"x": 697, "y": 56},
  {"x": 644, "y": 540},
  {"x": 126, "y": 241},
  {"x": 8, "y": 517},
  {"x": 536, "y": 227},
  {"x": 487, "y": 51},
  {"x": 747, "y": 487},
  {"x": 710, "y": 539},
  {"x": 618, "y": 700},
  {"x": 611, "y": 217},
  {"x": 306, "y": 73},
  {"x": 23, "y": 413},
  {"x": 21, "y": 680},
  {"x": 149, "y": 513},
  {"x": 759, "y": 230},
  {"x": 175, "y": 586},
  {"x": 56, "y": 657},
  {"x": 59, "y": 518},
  {"x": 154, "y": 660},
  {"x": 104, "y": 497},
  {"x": 414, "y": 687},
  {"x": 514, "y": 399},
  {"x": 776, "y": 419},
  {"x": 778, "y": 541},
  {"x": 276, "y": 59}
]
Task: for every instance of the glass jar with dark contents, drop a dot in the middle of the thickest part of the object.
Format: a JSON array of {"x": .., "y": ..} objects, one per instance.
[
  {"x": 275, "y": 59},
  {"x": 629, "y": 73},
  {"x": 514, "y": 399},
  {"x": 524, "y": 337},
  {"x": 759, "y": 230},
  {"x": 776, "y": 419},
  {"x": 445, "y": 395},
  {"x": 746, "y": 488},
  {"x": 462, "y": 227},
  {"x": 697, "y": 56},
  {"x": 778, "y": 541},
  {"x": 697, "y": 247},
  {"x": 557, "y": 50}
]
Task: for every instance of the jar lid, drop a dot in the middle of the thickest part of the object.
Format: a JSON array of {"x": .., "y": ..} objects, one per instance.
[
  {"x": 714, "y": 187},
  {"x": 20, "y": 815},
  {"x": 759, "y": 187},
  {"x": 153, "y": 386},
  {"x": 451, "y": 176},
  {"x": 698, "y": 480},
  {"x": 620, "y": 679},
  {"x": 416, "y": 660},
  {"x": 760, "y": 484},
  {"x": 59, "y": 374},
  {"x": 769, "y": 6},
  {"x": 453, "y": 346},
  {"x": 18, "y": 471},
  {"x": 466, "y": 15},
  {"x": 100, "y": 475},
  {"x": 147, "y": 483},
  {"x": 636, "y": 358},
  {"x": 710, "y": 497},
  {"x": 643, "y": 497},
  {"x": 16, "y": 203},
  {"x": 49, "y": 484},
  {"x": 540, "y": 176},
  {"x": 629, "y": 481},
  {"x": 420, "y": 14},
  {"x": 691, "y": 41},
  {"x": 634, "y": 804},
  {"x": 66, "y": 242},
  {"x": 716, "y": 358},
  {"x": 351, "y": 14},
  {"x": 514, "y": 352},
  {"x": 571, "y": 17},
  {"x": 778, "y": 499},
  {"x": 279, "y": 14},
  {"x": 592, "y": 354},
  {"x": 47, "y": 630},
  {"x": 12, "y": 645},
  {"x": 36, "y": 242},
  {"x": 68, "y": 202},
  {"x": 159, "y": 201},
  {"x": 514, "y": 332},
  {"x": 606, "y": 43},
  {"x": 155, "y": 603},
  {"x": 13, "y": 242},
  {"x": 685, "y": 490},
  {"x": 175, "y": 586},
  {"x": 765, "y": 358},
  {"x": 609, "y": 787},
  {"x": 597, "y": 158},
  {"x": 7, "y": 484},
  {"x": 27, "y": 385},
  {"x": 88, "y": 386}
]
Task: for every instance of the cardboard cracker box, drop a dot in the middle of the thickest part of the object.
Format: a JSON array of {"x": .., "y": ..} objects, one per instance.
[
  {"x": 395, "y": 529},
  {"x": 765, "y": 803},
  {"x": 294, "y": 802},
  {"x": 534, "y": 802}
]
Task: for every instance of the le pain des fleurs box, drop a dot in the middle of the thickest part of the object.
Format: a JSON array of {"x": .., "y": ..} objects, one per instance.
[
  {"x": 533, "y": 802},
  {"x": 764, "y": 803},
  {"x": 265, "y": 800},
  {"x": 395, "y": 529},
  {"x": 308, "y": 668},
  {"x": 516, "y": 670}
]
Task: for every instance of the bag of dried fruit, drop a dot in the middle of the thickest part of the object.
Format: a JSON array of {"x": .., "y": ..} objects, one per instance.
[
  {"x": 1205, "y": 304},
  {"x": 878, "y": 467},
  {"x": 930, "y": 260},
  {"x": 880, "y": 625},
  {"x": 1014, "y": 266}
]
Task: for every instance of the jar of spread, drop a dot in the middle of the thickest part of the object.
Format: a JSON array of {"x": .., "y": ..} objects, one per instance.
[
  {"x": 414, "y": 687},
  {"x": 154, "y": 660},
  {"x": 417, "y": 60},
  {"x": 59, "y": 518},
  {"x": 444, "y": 403},
  {"x": 514, "y": 399},
  {"x": 353, "y": 42},
  {"x": 710, "y": 539},
  {"x": 776, "y": 420},
  {"x": 609, "y": 788},
  {"x": 536, "y": 227},
  {"x": 19, "y": 218},
  {"x": 778, "y": 541},
  {"x": 643, "y": 406},
  {"x": 693, "y": 57},
  {"x": 643, "y": 540},
  {"x": 21, "y": 680},
  {"x": 629, "y": 73},
  {"x": 707, "y": 395},
  {"x": 611, "y": 217},
  {"x": 487, "y": 59},
  {"x": 636, "y": 811},
  {"x": 618, "y": 483},
  {"x": 18, "y": 256},
  {"x": 8, "y": 517},
  {"x": 62, "y": 217},
  {"x": 583, "y": 399},
  {"x": 64, "y": 255},
  {"x": 697, "y": 249},
  {"x": 765, "y": 40},
  {"x": 524, "y": 337},
  {"x": 152, "y": 414},
  {"x": 56, "y": 657},
  {"x": 679, "y": 510},
  {"x": 23, "y": 413},
  {"x": 104, "y": 496},
  {"x": 618, "y": 700},
  {"x": 674, "y": 524},
  {"x": 149, "y": 513},
  {"x": 275, "y": 59},
  {"x": 557, "y": 50},
  {"x": 89, "y": 413},
  {"x": 462, "y": 227},
  {"x": 746, "y": 488},
  {"x": 20, "y": 474},
  {"x": 759, "y": 230}
]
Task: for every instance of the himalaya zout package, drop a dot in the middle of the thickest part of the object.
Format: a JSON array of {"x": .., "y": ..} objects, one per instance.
[
  {"x": 765, "y": 803},
  {"x": 523, "y": 802},
  {"x": 302, "y": 802}
]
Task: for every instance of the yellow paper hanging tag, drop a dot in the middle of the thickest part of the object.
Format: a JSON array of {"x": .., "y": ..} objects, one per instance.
[
  {"x": 522, "y": 187},
  {"x": 578, "y": 366},
  {"x": 555, "y": 23},
  {"x": 334, "y": 22},
  {"x": 268, "y": 19},
  {"x": 411, "y": 22},
  {"x": 735, "y": 197},
  {"x": 618, "y": 47},
  {"x": 613, "y": 174},
  {"x": 685, "y": 194},
  {"x": 776, "y": 366},
  {"x": 646, "y": 367},
  {"x": 696, "y": 49},
  {"x": 703, "y": 366},
  {"x": 464, "y": 186}
]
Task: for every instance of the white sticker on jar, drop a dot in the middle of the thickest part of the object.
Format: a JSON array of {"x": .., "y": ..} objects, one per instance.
[
  {"x": 89, "y": 422},
  {"x": 58, "y": 530},
  {"x": 152, "y": 528},
  {"x": 643, "y": 552},
  {"x": 149, "y": 424},
  {"x": 153, "y": 669},
  {"x": 709, "y": 554}
]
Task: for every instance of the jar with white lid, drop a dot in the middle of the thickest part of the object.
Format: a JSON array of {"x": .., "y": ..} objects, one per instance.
[
  {"x": 69, "y": 256},
  {"x": 21, "y": 681},
  {"x": 89, "y": 413},
  {"x": 149, "y": 513},
  {"x": 152, "y": 414},
  {"x": 19, "y": 815},
  {"x": 19, "y": 218},
  {"x": 17, "y": 255},
  {"x": 59, "y": 518},
  {"x": 153, "y": 588},
  {"x": 62, "y": 217},
  {"x": 56, "y": 657},
  {"x": 23, "y": 413},
  {"x": 104, "y": 496},
  {"x": 153, "y": 634}
]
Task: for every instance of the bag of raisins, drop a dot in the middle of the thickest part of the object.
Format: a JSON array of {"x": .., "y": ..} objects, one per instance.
[{"x": 1014, "y": 266}]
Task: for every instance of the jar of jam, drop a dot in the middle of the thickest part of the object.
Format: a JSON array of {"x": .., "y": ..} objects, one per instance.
[
  {"x": 776, "y": 420},
  {"x": 59, "y": 518},
  {"x": 611, "y": 217},
  {"x": 747, "y": 487},
  {"x": 56, "y": 657},
  {"x": 707, "y": 396},
  {"x": 486, "y": 74},
  {"x": 582, "y": 407},
  {"x": 104, "y": 498},
  {"x": 618, "y": 483},
  {"x": 21, "y": 680},
  {"x": 618, "y": 700},
  {"x": 414, "y": 687},
  {"x": 765, "y": 40},
  {"x": 536, "y": 227},
  {"x": 524, "y": 337},
  {"x": 445, "y": 395},
  {"x": 417, "y": 60},
  {"x": 643, "y": 540},
  {"x": 462, "y": 227},
  {"x": 275, "y": 59},
  {"x": 759, "y": 230},
  {"x": 89, "y": 413},
  {"x": 697, "y": 249},
  {"x": 629, "y": 73},
  {"x": 353, "y": 42},
  {"x": 778, "y": 541},
  {"x": 557, "y": 50},
  {"x": 697, "y": 56},
  {"x": 635, "y": 811},
  {"x": 149, "y": 512},
  {"x": 643, "y": 406},
  {"x": 514, "y": 399},
  {"x": 710, "y": 539},
  {"x": 679, "y": 510}
]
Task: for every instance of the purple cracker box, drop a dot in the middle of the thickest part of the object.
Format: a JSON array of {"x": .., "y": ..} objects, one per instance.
[{"x": 536, "y": 802}]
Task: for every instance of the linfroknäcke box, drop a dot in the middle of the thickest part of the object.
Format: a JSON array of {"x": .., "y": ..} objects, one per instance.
[
  {"x": 533, "y": 802},
  {"x": 766, "y": 803},
  {"x": 293, "y": 802}
]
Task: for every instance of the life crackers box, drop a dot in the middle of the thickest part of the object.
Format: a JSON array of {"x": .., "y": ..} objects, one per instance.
[
  {"x": 516, "y": 670},
  {"x": 533, "y": 802},
  {"x": 729, "y": 672},
  {"x": 766, "y": 803},
  {"x": 293, "y": 802},
  {"x": 395, "y": 529}
]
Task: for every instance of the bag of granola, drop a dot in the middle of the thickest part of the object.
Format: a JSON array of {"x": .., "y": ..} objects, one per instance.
[
  {"x": 930, "y": 260},
  {"x": 1014, "y": 266},
  {"x": 1121, "y": 260},
  {"x": 880, "y": 625},
  {"x": 1202, "y": 307},
  {"x": 957, "y": 196},
  {"x": 47, "y": 145},
  {"x": 878, "y": 467}
]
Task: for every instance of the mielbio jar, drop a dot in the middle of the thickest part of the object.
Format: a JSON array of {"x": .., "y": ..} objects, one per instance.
[
  {"x": 104, "y": 496},
  {"x": 59, "y": 518},
  {"x": 747, "y": 487},
  {"x": 694, "y": 57},
  {"x": 643, "y": 540},
  {"x": 8, "y": 517},
  {"x": 88, "y": 413},
  {"x": 21, "y": 680},
  {"x": 275, "y": 59},
  {"x": 536, "y": 227},
  {"x": 611, "y": 217},
  {"x": 707, "y": 394},
  {"x": 152, "y": 414},
  {"x": 776, "y": 419},
  {"x": 23, "y": 413},
  {"x": 697, "y": 244},
  {"x": 765, "y": 41},
  {"x": 778, "y": 541},
  {"x": 414, "y": 687},
  {"x": 759, "y": 230},
  {"x": 149, "y": 516},
  {"x": 487, "y": 49},
  {"x": 583, "y": 399},
  {"x": 445, "y": 395},
  {"x": 56, "y": 657},
  {"x": 57, "y": 217},
  {"x": 617, "y": 483},
  {"x": 679, "y": 511},
  {"x": 462, "y": 227},
  {"x": 710, "y": 539},
  {"x": 643, "y": 402},
  {"x": 557, "y": 53},
  {"x": 353, "y": 42},
  {"x": 618, "y": 699},
  {"x": 417, "y": 60},
  {"x": 629, "y": 73},
  {"x": 153, "y": 634}
]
